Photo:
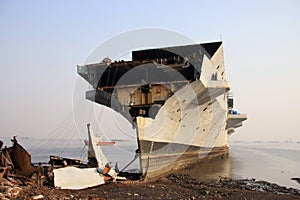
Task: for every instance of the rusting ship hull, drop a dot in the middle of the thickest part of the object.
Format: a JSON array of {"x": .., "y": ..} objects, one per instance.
[
  {"x": 178, "y": 156},
  {"x": 177, "y": 98}
]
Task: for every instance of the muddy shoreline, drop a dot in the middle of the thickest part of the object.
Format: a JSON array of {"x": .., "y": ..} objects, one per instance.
[
  {"x": 178, "y": 185},
  {"x": 174, "y": 186}
]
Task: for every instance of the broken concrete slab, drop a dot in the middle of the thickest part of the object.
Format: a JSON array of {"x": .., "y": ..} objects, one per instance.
[{"x": 75, "y": 179}]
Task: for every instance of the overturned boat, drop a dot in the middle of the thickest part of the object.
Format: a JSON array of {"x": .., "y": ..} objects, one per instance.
[{"x": 177, "y": 99}]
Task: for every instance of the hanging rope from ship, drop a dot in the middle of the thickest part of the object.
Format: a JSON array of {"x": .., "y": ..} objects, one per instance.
[{"x": 63, "y": 141}]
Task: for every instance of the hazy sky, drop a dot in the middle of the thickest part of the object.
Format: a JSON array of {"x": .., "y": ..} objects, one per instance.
[{"x": 41, "y": 42}]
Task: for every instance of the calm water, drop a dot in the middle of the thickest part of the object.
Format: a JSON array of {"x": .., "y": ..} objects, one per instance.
[
  {"x": 40, "y": 149},
  {"x": 276, "y": 162},
  {"x": 273, "y": 162}
]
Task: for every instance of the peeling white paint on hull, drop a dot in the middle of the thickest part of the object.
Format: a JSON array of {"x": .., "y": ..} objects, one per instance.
[{"x": 177, "y": 98}]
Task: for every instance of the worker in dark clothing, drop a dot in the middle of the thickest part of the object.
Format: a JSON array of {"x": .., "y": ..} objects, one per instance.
[{"x": 14, "y": 140}]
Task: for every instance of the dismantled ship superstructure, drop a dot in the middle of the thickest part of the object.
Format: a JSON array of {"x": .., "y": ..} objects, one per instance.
[{"x": 177, "y": 98}]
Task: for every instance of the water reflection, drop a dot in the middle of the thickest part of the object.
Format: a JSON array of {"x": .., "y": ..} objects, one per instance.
[
  {"x": 214, "y": 169},
  {"x": 275, "y": 163}
]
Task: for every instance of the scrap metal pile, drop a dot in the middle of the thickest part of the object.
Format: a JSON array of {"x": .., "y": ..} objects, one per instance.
[{"x": 16, "y": 169}]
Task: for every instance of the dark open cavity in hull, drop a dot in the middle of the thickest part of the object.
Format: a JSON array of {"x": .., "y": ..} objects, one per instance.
[{"x": 170, "y": 84}]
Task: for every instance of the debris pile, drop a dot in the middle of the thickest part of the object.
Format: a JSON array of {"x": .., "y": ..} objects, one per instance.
[
  {"x": 16, "y": 170},
  {"x": 58, "y": 162}
]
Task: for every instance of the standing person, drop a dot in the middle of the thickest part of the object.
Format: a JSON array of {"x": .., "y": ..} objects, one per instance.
[
  {"x": 14, "y": 140},
  {"x": 40, "y": 172}
]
